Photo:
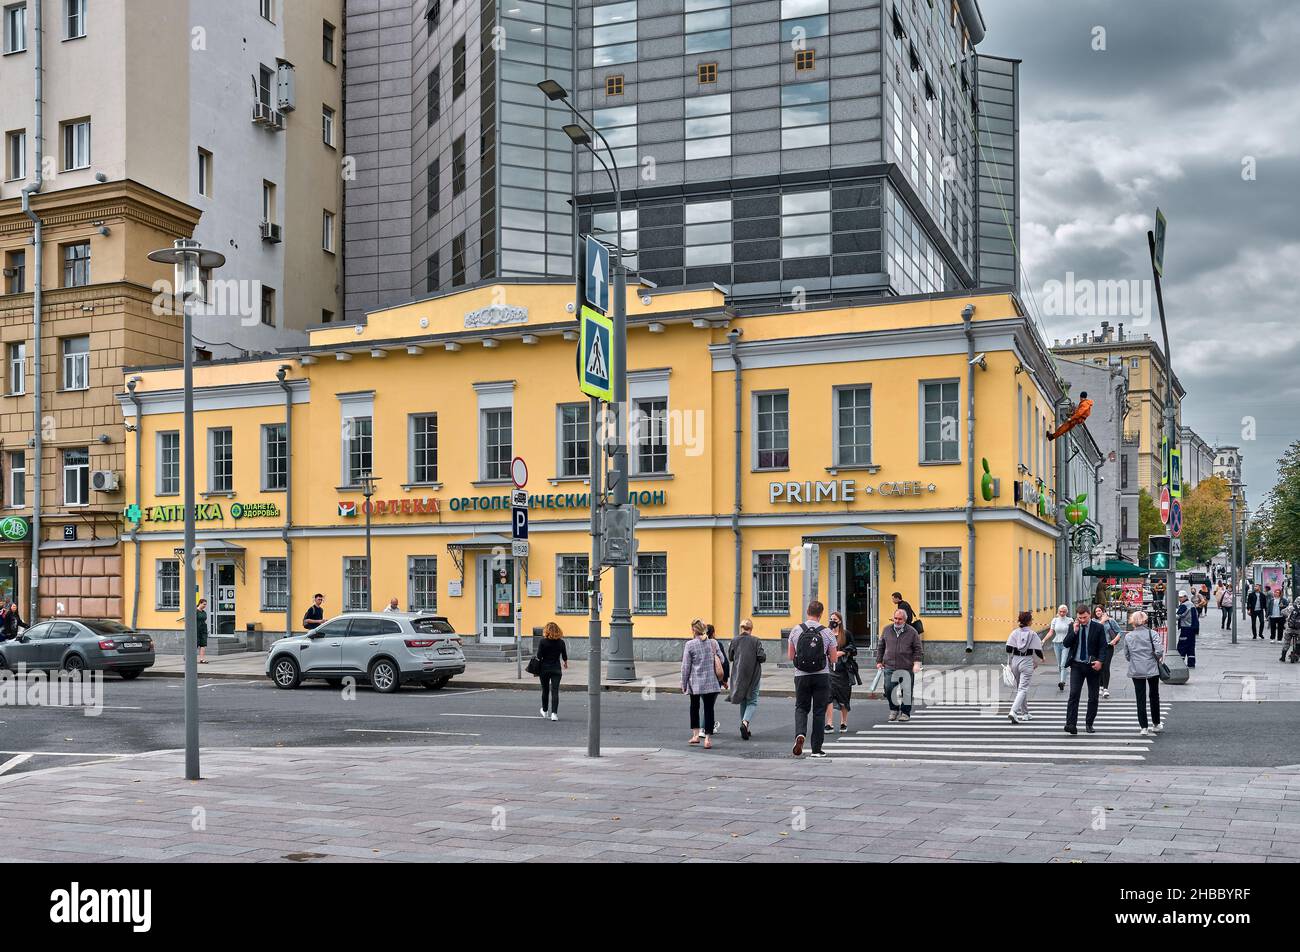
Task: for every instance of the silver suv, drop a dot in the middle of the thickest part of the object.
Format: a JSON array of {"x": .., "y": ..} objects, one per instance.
[{"x": 386, "y": 648}]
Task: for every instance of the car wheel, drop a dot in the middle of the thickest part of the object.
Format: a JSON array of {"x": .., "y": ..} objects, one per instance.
[
  {"x": 384, "y": 676},
  {"x": 436, "y": 684},
  {"x": 285, "y": 673},
  {"x": 130, "y": 674},
  {"x": 74, "y": 662}
]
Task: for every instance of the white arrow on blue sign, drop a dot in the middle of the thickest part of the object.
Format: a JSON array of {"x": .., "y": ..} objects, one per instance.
[{"x": 597, "y": 274}]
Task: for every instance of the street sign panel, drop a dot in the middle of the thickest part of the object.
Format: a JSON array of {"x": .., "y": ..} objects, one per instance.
[
  {"x": 519, "y": 523},
  {"x": 1176, "y": 547},
  {"x": 519, "y": 498},
  {"x": 519, "y": 472},
  {"x": 1161, "y": 227},
  {"x": 1164, "y": 461},
  {"x": 597, "y": 275},
  {"x": 1175, "y": 518},
  {"x": 1164, "y": 505},
  {"x": 1176, "y": 473},
  {"x": 519, "y": 548},
  {"x": 597, "y": 352}
]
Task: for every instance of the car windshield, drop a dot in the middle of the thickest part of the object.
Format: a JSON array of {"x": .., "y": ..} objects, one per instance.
[
  {"x": 107, "y": 627},
  {"x": 432, "y": 626}
]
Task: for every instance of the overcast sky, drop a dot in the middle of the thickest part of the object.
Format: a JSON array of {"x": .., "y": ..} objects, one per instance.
[{"x": 1182, "y": 94}]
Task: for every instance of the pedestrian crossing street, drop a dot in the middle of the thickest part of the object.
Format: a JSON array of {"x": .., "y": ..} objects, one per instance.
[{"x": 975, "y": 734}]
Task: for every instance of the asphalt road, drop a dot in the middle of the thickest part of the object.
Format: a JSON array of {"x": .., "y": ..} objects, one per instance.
[{"x": 147, "y": 715}]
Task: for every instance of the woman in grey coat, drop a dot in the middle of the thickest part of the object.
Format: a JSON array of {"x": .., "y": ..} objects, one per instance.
[
  {"x": 1144, "y": 652},
  {"x": 747, "y": 657},
  {"x": 701, "y": 666}
]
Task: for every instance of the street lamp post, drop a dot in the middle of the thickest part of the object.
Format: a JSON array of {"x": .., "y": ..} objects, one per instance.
[
  {"x": 367, "y": 490},
  {"x": 1171, "y": 435},
  {"x": 188, "y": 259}
]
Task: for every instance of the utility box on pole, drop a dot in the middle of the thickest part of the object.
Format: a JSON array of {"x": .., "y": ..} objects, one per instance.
[{"x": 617, "y": 538}]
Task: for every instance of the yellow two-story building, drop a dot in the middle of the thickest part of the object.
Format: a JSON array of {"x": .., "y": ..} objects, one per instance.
[{"x": 855, "y": 468}]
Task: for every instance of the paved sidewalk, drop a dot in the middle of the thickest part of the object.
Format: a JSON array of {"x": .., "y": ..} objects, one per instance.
[
  {"x": 539, "y": 804},
  {"x": 1225, "y": 672}
]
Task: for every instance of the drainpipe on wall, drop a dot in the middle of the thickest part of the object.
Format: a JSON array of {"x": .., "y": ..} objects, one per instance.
[
  {"x": 38, "y": 249},
  {"x": 733, "y": 338},
  {"x": 135, "y": 529},
  {"x": 288, "y": 498},
  {"x": 967, "y": 314}
]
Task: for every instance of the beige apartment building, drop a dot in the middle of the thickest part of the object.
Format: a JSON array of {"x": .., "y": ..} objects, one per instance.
[
  {"x": 1148, "y": 389},
  {"x": 155, "y": 120}
]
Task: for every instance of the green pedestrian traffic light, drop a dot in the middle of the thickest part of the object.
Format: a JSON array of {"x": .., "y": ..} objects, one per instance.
[{"x": 1159, "y": 549}]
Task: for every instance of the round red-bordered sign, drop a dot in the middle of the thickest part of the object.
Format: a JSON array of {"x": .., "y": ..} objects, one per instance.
[{"x": 519, "y": 472}]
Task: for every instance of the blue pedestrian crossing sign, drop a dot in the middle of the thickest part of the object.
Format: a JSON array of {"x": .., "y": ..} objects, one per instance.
[
  {"x": 596, "y": 354},
  {"x": 597, "y": 275}
]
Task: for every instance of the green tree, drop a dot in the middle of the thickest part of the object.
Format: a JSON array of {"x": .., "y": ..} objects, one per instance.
[
  {"x": 1149, "y": 523},
  {"x": 1278, "y": 520},
  {"x": 1206, "y": 519}
]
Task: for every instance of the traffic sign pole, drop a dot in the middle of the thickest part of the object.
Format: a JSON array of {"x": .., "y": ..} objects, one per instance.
[{"x": 518, "y": 525}]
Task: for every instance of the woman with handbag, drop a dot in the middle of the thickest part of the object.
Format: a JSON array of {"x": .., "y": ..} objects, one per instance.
[
  {"x": 552, "y": 659},
  {"x": 1146, "y": 667},
  {"x": 843, "y": 674},
  {"x": 747, "y": 658},
  {"x": 725, "y": 677},
  {"x": 701, "y": 679},
  {"x": 1024, "y": 651}
]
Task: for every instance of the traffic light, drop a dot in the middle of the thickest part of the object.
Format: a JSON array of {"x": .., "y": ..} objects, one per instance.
[{"x": 1158, "y": 549}]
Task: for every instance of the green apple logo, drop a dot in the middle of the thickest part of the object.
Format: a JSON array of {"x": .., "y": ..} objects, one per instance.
[
  {"x": 1077, "y": 511},
  {"x": 986, "y": 481}
]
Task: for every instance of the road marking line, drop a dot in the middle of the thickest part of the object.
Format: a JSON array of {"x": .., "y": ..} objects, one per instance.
[
  {"x": 13, "y": 762},
  {"x": 513, "y": 717},
  {"x": 369, "y": 730},
  {"x": 904, "y": 754},
  {"x": 65, "y": 753}
]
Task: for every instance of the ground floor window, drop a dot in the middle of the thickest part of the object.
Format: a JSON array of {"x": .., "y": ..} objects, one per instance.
[
  {"x": 169, "y": 585},
  {"x": 772, "y": 583},
  {"x": 422, "y": 575},
  {"x": 571, "y": 586},
  {"x": 650, "y": 593},
  {"x": 275, "y": 585},
  {"x": 356, "y": 585},
  {"x": 941, "y": 581}
]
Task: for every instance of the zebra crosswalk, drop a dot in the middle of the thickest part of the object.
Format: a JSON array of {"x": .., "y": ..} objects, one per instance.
[{"x": 974, "y": 734}]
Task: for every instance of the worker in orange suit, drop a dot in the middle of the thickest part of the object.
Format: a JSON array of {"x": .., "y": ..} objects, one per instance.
[{"x": 1078, "y": 416}]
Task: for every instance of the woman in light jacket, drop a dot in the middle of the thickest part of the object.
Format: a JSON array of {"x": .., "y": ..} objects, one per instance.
[
  {"x": 1024, "y": 651},
  {"x": 747, "y": 657},
  {"x": 700, "y": 666},
  {"x": 1058, "y": 629},
  {"x": 1144, "y": 651}
]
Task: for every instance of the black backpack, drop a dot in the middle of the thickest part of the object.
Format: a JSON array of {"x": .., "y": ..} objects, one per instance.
[{"x": 810, "y": 650}]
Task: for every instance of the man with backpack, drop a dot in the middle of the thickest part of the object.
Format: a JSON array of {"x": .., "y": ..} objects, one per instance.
[
  {"x": 898, "y": 654},
  {"x": 812, "y": 649}
]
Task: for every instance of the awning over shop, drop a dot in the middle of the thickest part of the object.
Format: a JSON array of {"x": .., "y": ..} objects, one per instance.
[
  {"x": 1115, "y": 568},
  {"x": 857, "y": 534},
  {"x": 218, "y": 549},
  {"x": 489, "y": 540}
]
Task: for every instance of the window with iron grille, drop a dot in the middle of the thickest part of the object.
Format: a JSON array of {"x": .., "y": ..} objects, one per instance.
[
  {"x": 575, "y": 440},
  {"x": 422, "y": 583},
  {"x": 168, "y": 591},
  {"x": 275, "y": 585},
  {"x": 651, "y": 584},
  {"x": 941, "y": 581},
  {"x": 771, "y": 583},
  {"x": 772, "y": 430},
  {"x": 356, "y": 585},
  {"x": 424, "y": 448},
  {"x": 571, "y": 585}
]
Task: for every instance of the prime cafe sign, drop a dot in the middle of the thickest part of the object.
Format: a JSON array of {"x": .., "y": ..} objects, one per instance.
[{"x": 842, "y": 490}]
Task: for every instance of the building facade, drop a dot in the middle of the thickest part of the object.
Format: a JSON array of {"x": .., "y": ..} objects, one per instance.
[
  {"x": 776, "y": 148},
  {"x": 853, "y": 438},
  {"x": 1198, "y": 457}
]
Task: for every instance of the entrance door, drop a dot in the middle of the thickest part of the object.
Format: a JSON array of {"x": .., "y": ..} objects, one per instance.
[
  {"x": 855, "y": 593},
  {"x": 221, "y": 598},
  {"x": 496, "y": 598}
]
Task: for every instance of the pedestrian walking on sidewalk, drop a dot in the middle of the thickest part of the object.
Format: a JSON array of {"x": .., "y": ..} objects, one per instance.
[
  {"x": 1189, "y": 625},
  {"x": 844, "y": 673},
  {"x": 1226, "y": 601},
  {"x": 201, "y": 630},
  {"x": 553, "y": 661},
  {"x": 812, "y": 649},
  {"x": 1144, "y": 654},
  {"x": 701, "y": 679},
  {"x": 1060, "y": 627},
  {"x": 1086, "y": 643},
  {"x": 1113, "y": 635},
  {"x": 898, "y": 654},
  {"x": 1275, "y": 607},
  {"x": 1025, "y": 649},
  {"x": 1255, "y": 603},
  {"x": 1292, "y": 634},
  {"x": 724, "y": 678},
  {"x": 747, "y": 657},
  {"x": 900, "y": 602}
]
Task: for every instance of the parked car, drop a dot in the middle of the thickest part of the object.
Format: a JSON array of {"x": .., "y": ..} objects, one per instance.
[
  {"x": 387, "y": 649},
  {"x": 80, "y": 644}
]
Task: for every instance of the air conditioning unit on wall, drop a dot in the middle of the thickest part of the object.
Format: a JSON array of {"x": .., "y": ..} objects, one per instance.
[
  {"x": 271, "y": 232},
  {"x": 103, "y": 481}
]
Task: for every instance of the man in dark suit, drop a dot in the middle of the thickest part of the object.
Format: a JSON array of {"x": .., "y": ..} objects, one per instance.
[
  {"x": 1255, "y": 604},
  {"x": 1086, "y": 642}
]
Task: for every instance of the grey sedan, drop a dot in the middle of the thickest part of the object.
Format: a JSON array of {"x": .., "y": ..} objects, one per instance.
[{"x": 80, "y": 644}]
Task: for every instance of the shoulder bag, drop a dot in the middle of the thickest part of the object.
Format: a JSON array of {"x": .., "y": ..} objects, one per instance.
[{"x": 1164, "y": 668}]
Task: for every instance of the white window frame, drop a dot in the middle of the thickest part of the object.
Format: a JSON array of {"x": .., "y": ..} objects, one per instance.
[
  {"x": 836, "y": 394},
  {"x": 327, "y": 115},
  {"x": 266, "y": 605},
  {"x": 561, "y": 459},
  {"x": 74, "y": 17},
  {"x": 920, "y": 420},
  {"x": 161, "y": 467},
  {"x": 16, "y": 355},
  {"x": 327, "y": 231},
  {"x": 15, "y": 155},
  {"x": 583, "y": 594},
  {"x": 499, "y": 395},
  {"x": 212, "y": 459},
  {"x": 267, "y": 10},
  {"x": 636, "y": 584},
  {"x": 412, "y": 603},
  {"x": 76, "y": 143},
  {"x": 76, "y": 365},
  {"x": 644, "y": 386},
  {"x": 17, "y": 500},
  {"x": 755, "y": 398},
  {"x": 264, "y": 436},
  {"x": 353, "y": 406},
  {"x": 921, "y": 590},
  {"x": 161, "y": 603},
  {"x": 412, "y": 464},
  {"x": 204, "y": 183},
  {"x": 69, "y": 266},
  {"x": 13, "y": 37},
  {"x": 69, "y": 500},
  {"x": 756, "y": 590}
]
